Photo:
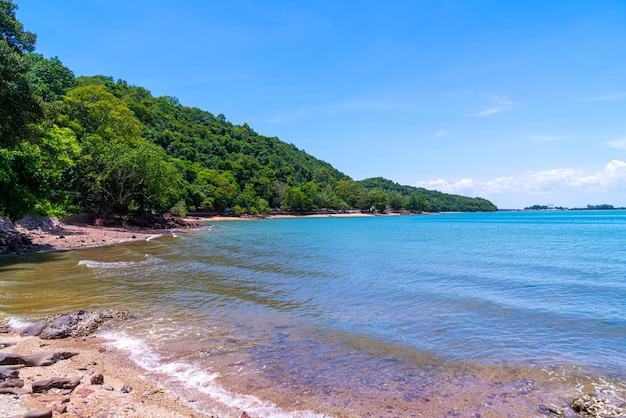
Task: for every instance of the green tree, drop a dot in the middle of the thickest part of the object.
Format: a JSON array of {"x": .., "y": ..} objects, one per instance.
[
  {"x": 92, "y": 110},
  {"x": 297, "y": 200},
  {"x": 18, "y": 105},
  {"x": 350, "y": 192},
  {"x": 23, "y": 180},
  {"x": 49, "y": 78},
  {"x": 417, "y": 202},
  {"x": 118, "y": 176},
  {"x": 377, "y": 199},
  {"x": 395, "y": 200}
]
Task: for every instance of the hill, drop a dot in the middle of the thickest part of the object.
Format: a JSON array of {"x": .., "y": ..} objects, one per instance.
[{"x": 94, "y": 144}]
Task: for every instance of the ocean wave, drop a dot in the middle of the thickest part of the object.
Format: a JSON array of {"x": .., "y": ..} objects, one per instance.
[
  {"x": 105, "y": 264},
  {"x": 194, "y": 378},
  {"x": 110, "y": 264}
]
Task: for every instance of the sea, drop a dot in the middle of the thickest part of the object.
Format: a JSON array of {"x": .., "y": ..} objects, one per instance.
[{"x": 505, "y": 314}]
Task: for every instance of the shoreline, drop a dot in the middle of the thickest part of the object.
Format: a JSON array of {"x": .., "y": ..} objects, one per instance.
[
  {"x": 72, "y": 236},
  {"x": 124, "y": 391}
]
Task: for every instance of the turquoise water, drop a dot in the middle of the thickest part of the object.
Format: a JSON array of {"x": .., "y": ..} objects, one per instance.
[{"x": 491, "y": 314}]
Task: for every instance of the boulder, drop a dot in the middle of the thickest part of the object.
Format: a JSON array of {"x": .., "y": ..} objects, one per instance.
[
  {"x": 43, "y": 223},
  {"x": 80, "y": 323}
]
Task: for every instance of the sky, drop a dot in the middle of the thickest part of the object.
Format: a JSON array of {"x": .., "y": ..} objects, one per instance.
[{"x": 518, "y": 102}]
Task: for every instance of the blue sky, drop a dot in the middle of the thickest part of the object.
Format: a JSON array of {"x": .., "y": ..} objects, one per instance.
[{"x": 520, "y": 102}]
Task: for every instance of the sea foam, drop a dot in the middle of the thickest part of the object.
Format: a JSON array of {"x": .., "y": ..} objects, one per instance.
[
  {"x": 193, "y": 377},
  {"x": 108, "y": 264}
]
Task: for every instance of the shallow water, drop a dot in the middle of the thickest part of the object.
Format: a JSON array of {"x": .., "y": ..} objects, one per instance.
[{"x": 469, "y": 314}]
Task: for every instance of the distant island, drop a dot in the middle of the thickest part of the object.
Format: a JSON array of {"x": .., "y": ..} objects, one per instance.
[
  {"x": 588, "y": 207},
  {"x": 94, "y": 144}
]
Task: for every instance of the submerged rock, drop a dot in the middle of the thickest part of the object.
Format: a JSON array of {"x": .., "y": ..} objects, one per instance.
[{"x": 593, "y": 406}]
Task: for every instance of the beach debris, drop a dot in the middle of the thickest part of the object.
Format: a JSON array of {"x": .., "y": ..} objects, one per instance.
[
  {"x": 127, "y": 389},
  {"x": 43, "y": 386},
  {"x": 593, "y": 406},
  {"x": 81, "y": 323}
]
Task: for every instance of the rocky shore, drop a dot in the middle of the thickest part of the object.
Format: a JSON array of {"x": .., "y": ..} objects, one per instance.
[
  {"x": 58, "y": 369},
  {"x": 42, "y": 233}
]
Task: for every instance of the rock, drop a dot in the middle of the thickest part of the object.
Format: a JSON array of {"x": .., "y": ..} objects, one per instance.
[
  {"x": 127, "y": 389},
  {"x": 41, "y": 413},
  {"x": 6, "y": 225},
  {"x": 13, "y": 391},
  {"x": 33, "y": 360},
  {"x": 43, "y": 223},
  {"x": 12, "y": 383},
  {"x": 97, "y": 379},
  {"x": 6, "y": 374},
  {"x": 32, "y": 330},
  {"x": 593, "y": 406},
  {"x": 42, "y": 386},
  {"x": 84, "y": 392},
  {"x": 80, "y": 323},
  {"x": 12, "y": 241},
  {"x": 551, "y": 410}
]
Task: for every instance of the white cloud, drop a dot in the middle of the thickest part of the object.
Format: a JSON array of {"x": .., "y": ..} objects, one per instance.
[
  {"x": 618, "y": 143},
  {"x": 463, "y": 186},
  {"x": 441, "y": 133},
  {"x": 487, "y": 112},
  {"x": 563, "y": 186},
  {"x": 614, "y": 174}
]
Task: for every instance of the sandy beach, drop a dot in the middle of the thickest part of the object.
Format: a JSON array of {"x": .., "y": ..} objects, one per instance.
[
  {"x": 69, "y": 236},
  {"x": 140, "y": 398}
]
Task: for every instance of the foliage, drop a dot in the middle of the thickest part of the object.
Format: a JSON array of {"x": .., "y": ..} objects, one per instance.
[{"x": 18, "y": 105}]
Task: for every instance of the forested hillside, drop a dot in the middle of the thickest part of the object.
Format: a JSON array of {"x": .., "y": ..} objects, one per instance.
[{"x": 94, "y": 144}]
